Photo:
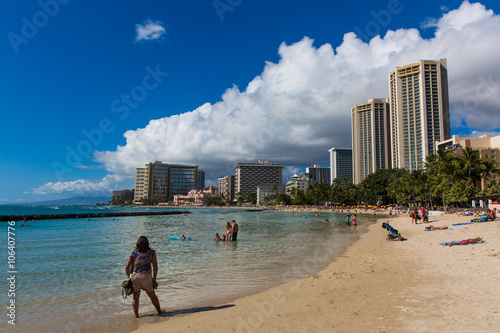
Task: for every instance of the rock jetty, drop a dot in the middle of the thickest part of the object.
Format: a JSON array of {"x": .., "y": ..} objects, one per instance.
[{"x": 84, "y": 215}]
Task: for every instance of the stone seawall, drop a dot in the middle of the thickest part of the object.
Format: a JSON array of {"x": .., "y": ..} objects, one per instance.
[{"x": 84, "y": 215}]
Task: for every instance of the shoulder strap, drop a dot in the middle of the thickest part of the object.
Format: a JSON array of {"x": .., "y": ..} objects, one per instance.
[{"x": 133, "y": 263}]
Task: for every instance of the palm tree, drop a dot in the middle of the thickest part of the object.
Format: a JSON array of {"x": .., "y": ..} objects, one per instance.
[
  {"x": 471, "y": 165},
  {"x": 488, "y": 168}
]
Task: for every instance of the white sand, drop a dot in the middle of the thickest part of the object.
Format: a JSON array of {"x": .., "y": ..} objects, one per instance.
[{"x": 415, "y": 285}]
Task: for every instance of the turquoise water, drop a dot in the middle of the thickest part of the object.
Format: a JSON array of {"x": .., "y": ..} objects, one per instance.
[{"x": 69, "y": 271}]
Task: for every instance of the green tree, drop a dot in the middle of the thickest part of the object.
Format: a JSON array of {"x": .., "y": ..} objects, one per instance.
[
  {"x": 300, "y": 198},
  {"x": 375, "y": 186},
  {"x": 252, "y": 198},
  {"x": 488, "y": 168},
  {"x": 460, "y": 192},
  {"x": 470, "y": 165},
  {"x": 492, "y": 188}
]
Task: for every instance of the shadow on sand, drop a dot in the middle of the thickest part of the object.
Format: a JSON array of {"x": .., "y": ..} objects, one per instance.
[{"x": 191, "y": 310}]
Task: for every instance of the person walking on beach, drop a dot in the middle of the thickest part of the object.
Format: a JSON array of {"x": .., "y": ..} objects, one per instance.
[
  {"x": 234, "y": 233},
  {"x": 354, "y": 223},
  {"x": 348, "y": 222},
  {"x": 143, "y": 273},
  {"x": 413, "y": 215}
]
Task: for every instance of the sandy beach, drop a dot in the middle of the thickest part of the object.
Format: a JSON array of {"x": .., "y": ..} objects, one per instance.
[{"x": 414, "y": 285}]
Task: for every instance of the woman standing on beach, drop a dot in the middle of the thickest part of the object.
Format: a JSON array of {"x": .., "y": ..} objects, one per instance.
[
  {"x": 229, "y": 230},
  {"x": 144, "y": 271}
]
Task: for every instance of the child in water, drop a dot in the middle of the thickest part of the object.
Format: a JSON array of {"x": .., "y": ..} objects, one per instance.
[{"x": 217, "y": 237}]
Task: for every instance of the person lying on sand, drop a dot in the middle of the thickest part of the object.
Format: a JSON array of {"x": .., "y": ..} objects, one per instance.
[
  {"x": 431, "y": 227},
  {"x": 465, "y": 241}
]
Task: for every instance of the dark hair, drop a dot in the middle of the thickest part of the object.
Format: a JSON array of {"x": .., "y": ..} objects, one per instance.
[{"x": 142, "y": 244}]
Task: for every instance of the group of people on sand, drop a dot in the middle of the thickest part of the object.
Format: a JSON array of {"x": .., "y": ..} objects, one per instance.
[
  {"x": 419, "y": 214},
  {"x": 231, "y": 233},
  {"x": 350, "y": 220}
]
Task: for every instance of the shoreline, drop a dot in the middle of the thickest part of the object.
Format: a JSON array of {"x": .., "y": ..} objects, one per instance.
[{"x": 376, "y": 286}]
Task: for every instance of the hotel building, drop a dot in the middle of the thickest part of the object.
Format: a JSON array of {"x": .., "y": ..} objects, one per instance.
[
  {"x": 341, "y": 163},
  {"x": 250, "y": 175},
  {"x": 161, "y": 180},
  {"x": 370, "y": 138},
  {"x": 419, "y": 109},
  {"x": 319, "y": 174},
  {"x": 201, "y": 180},
  {"x": 227, "y": 187},
  {"x": 297, "y": 183},
  {"x": 124, "y": 195}
]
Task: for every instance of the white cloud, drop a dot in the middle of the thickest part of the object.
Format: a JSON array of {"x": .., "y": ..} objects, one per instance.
[
  {"x": 301, "y": 105},
  {"x": 150, "y": 30},
  {"x": 81, "y": 187}
]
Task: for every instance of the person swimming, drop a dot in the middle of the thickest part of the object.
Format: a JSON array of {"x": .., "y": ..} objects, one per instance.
[{"x": 184, "y": 237}]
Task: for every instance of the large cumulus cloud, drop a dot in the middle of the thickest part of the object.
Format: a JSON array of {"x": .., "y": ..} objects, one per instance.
[{"x": 301, "y": 105}]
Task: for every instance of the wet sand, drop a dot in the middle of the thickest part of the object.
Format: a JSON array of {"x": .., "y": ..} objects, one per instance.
[{"x": 415, "y": 285}]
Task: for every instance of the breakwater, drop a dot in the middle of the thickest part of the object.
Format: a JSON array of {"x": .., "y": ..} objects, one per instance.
[{"x": 84, "y": 215}]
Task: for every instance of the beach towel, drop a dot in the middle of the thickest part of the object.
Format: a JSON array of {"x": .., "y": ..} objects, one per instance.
[
  {"x": 462, "y": 242},
  {"x": 455, "y": 224}
]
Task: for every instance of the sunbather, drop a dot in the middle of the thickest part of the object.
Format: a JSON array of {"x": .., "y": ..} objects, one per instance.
[
  {"x": 465, "y": 241},
  {"x": 431, "y": 227}
]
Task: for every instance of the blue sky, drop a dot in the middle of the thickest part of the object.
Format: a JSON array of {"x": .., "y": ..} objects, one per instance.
[{"x": 93, "y": 89}]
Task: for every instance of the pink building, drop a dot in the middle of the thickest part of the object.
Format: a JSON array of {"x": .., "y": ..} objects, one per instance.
[{"x": 197, "y": 195}]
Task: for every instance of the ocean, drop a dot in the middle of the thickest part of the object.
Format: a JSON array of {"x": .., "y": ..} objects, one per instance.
[{"x": 68, "y": 272}]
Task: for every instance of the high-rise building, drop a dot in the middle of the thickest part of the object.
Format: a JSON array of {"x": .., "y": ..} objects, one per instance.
[
  {"x": 249, "y": 175},
  {"x": 161, "y": 180},
  {"x": 370, "y": 138},
  {"x": 341, "y": 163},
  {"x": 319, "y": 174},
  {"x": 227, "y": 186},
  {"x": 123, "y": 195},
  {"x": 420, "y": 113},
  {"x": 201, "y": 180}
]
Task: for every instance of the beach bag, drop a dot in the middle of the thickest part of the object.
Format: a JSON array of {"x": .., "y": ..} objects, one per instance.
[
  {"x": 128, "y": 285},
  {"x": 127, "y": 288}
]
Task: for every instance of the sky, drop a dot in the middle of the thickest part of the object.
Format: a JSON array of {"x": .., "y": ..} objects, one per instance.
[{"x": 92, "y": 90}]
